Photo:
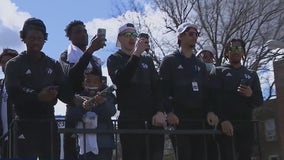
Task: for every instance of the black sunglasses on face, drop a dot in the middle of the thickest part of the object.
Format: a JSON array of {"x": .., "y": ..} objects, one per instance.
[
  {"x": 129, "y": 34},
  {"x": 191, "y": 33},
  {"x": 236, "y": 48}
]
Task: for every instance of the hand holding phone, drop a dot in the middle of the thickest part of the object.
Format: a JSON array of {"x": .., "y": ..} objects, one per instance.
[
  {"x": 143, "y": 35},
  {"x": 101, "y": 32},
  {"x": 98, "y": 41},
  {"x": 146, "y": 36}
]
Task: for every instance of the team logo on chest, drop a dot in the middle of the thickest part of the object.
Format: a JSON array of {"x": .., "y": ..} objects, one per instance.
[
  {"x": 28, "y": 72},
  {"x": 144, "y": 65},
  {"x": 180, "y": 67},
  {"x": 49, "y": 71},
  {"x": 197, "y": 68},
  {"x": 229, "y": 74},
  {"x": 247, "y": 76}
]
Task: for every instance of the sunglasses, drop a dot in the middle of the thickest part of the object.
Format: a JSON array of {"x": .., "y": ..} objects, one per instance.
[
  {"x": 191, "y": 33},
  {"x": 236, "y": 48},
  {"x": 130, "y": 35}
]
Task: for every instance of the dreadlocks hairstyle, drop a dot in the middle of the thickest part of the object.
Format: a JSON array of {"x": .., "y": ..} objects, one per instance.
[{"x": 229, "y": 44}]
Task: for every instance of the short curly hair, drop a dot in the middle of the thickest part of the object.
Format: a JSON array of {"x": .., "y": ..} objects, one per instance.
[
  {"x": 33, "y": 24},
  {"x": 71, "y": 25}
]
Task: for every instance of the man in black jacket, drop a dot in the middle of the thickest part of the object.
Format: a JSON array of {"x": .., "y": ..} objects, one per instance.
[
  {"x": 34, "y": 82},
  {"x": 236, "y": 93},
  {"x": 74, "y": 61},
  {"x": 185, "y": 94},
  {"x": 137, "y": 95},
  {"x": 78, "y": 36}
]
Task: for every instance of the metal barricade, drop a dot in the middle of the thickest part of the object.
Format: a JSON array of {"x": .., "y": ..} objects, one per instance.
[
  {"x": 167, "y": 131},
  {"x": 15, "y": 135}
]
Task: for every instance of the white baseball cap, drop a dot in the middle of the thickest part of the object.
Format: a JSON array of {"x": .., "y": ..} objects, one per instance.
[
  {"x": 125, "y": 27},
  {"x": 182, "y": 27},
  {"x": 121, "y": 29},
  {"x": 207, "y": 48}
]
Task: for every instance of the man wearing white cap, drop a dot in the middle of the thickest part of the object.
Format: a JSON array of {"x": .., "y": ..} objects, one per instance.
[
  {"x": 184, "y": 85},
  {"x": 138, "y": 96},
  {"x": 207, "y": 55}
]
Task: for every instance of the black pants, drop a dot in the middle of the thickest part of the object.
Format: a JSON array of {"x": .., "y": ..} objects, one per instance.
[
  {"x": 42, "y": 140},
  {"x": 4, "y": 149},
  {"x": 20, "y": 142},
  {"x": 71, "y": 149},
  {"x": 70, "y": 146},
  {"x": 189, "y": 147},
  {"x": 140, "y": 146},
  {"x": 212, "y": 146},
  {"x": 238, "y": 147}
]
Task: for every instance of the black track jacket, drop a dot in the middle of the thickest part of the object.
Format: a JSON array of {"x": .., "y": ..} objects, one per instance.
[
  {"x": 184, "y": 86},
  {"x": 138, "y": 93},
  {"x": 25, "y": 78},
  {"x": 229, "y": 104}
]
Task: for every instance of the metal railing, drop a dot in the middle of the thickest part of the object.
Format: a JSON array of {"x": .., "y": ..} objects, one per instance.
[{"x": 168, "y": 131}]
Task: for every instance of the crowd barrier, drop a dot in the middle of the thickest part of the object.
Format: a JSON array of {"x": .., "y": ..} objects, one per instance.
[{"x": 167, "y": 131}]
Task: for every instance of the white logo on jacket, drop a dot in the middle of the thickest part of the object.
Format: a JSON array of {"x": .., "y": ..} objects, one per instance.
[
  {"x": 229, "y": 75},
  {"x": 28, "y": 72},
  {"x": 49, "y": 71},
  {"x": 180, "y": 67},
  {"x": 247, "y": 76},
  {"x": 197, "y": 68},
  {"x": 144, "y": 65}
]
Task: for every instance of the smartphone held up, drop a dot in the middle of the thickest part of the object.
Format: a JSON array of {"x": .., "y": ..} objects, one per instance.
[{"x": 101, "y": 32}]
